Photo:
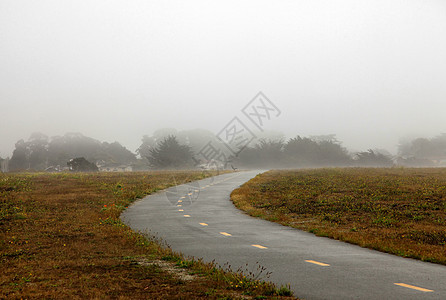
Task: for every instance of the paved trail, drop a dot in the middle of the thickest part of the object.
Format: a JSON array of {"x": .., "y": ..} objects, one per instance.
[{"x": 199, "y": 220}]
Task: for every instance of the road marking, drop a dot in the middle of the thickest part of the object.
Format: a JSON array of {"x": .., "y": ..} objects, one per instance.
[
  {"x": 203, "y": 224},
  {"x": 179, "y": 205},
  {"x": 190, "y": 194},
  {"x": 187, "y": 216},
  {"x": 317, "y": 263},
  {"x": 260, "y": 246},
  {"x": 413, "y": 287},
  {"x": 181, "y": 210},
  {"x": 226, "y": 234},
  {"x": 180, "y": 201},
  {"x": 183, "y": 197},
  {"x": 197, "y": 190}
]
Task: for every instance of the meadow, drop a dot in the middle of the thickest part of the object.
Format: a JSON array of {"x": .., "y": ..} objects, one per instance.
[
  {"x": 395, "y": 210},
  {"x": 61, "y": 237}
]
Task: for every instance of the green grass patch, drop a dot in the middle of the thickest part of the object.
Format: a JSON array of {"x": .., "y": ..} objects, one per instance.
[
  {"x": 61, "y": 237},
  {"x": 395, "y": 210}
]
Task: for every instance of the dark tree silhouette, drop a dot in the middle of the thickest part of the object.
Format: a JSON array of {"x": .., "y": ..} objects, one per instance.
[
  {"x": 373, "y": 159},
  {"x": 423, "y": 148},
  {"x": 38, "y": 148},
  {"x": 19, "y": 159},
  {"x": 265, "y": 154},
  {"x": 170, "y": 154},
  {"x": 325, "y": 151},
  {"x": 80, "y": 164},
  {"x": 332, "y": 154},
  {"x": 148, "y": 143},
  {"x": 196, "y": 139},
  {"x": 41, "y": 152},
  {"x": 301, "y": 152}
]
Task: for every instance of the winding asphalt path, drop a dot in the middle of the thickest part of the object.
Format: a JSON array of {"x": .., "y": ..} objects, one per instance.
[{"x": 198, "y": 220}]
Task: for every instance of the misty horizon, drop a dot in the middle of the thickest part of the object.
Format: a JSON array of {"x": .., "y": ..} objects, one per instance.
[
  {"x": 370, "y": 72},
  {"x": 268, "y": 135}
]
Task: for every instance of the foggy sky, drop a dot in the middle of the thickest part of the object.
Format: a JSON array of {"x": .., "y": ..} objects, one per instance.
[{"x": 371, "y": 72}]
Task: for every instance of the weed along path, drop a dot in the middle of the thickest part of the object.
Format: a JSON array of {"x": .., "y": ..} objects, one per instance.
[{"x": 198, "y": 220}]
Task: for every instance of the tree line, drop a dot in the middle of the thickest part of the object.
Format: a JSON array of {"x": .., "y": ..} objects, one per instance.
[
  {"x": 40, "y": 152},
  {"x": 172, "y": 149}
]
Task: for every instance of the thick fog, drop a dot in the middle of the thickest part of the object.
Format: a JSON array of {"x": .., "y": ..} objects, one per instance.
[{"x": 371, "y": 72}]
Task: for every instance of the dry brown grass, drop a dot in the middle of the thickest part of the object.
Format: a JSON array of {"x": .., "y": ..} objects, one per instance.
[
  {"x": 399, "y": 211},
  {"x": 61, "y": 237}
]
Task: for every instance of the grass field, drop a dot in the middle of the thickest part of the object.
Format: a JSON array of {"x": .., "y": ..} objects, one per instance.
[
  {"x": 395, "y": 210},
  {"x": 61, "y": 237}
]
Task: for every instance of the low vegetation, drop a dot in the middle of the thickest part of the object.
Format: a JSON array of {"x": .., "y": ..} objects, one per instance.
[
  {"x": 395, "y": 210},
  {"x": 61, "y": 237}
]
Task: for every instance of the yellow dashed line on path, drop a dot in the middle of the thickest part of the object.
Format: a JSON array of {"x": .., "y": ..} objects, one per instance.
[
  {"x": 317, "y": 263},
  {"x": 179, "y": 201},
  {"x": 259, "y": 246},
  {"x": 413, "y": 287},
  {"x": 187, "y": 216},
  {"x": 225, "y": 234},
  {"x": 190, "y": 194},
  {"x": 181, "y": 210},
  {"x": 183, "y": 197},
  {"x": 203, "y": 224},
  {"x": 179, "y": 205}
]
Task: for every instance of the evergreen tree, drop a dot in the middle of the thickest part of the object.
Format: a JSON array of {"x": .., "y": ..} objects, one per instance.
[{"x": 170, "y": 154}]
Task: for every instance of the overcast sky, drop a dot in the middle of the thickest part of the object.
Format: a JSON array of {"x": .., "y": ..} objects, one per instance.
[{"x": 371, "y": 72}]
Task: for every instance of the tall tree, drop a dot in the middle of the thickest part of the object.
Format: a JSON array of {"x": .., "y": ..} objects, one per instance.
[
  {"x": 19, "y": 159},
  {"x": 331, "y": 153},
  {"x": 170, "y": 154},
  {"x": 38, "y": 147},
  {"x": 301, "y": 152},
  {"x": 196, "y": 139},
  {"x": 40, "y": 152},
  {"x": 434, "y": 148},
  {"x": 266, "y": 153},
  {"x": 324, "y": 151},
  {"x": 148, "y": 143}
]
